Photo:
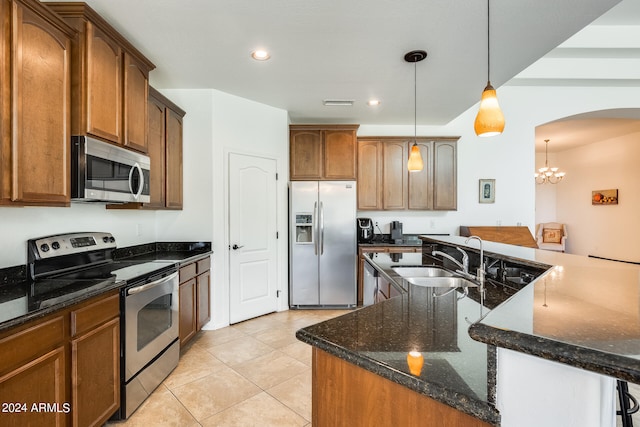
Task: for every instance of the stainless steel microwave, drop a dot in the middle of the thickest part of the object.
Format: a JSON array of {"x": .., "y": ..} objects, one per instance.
[{"x": 102, "y": 172}]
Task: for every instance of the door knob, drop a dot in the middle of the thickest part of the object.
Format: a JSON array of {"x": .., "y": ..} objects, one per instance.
[{"x": 236, "y": 247}]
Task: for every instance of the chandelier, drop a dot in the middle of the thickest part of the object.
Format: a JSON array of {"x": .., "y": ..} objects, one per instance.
[{"x": 546, "y": 174}]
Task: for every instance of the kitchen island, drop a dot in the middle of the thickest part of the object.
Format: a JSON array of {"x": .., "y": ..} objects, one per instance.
[
  {"x": 554, "y": 347},
  {"x": 453, "y": 381}
]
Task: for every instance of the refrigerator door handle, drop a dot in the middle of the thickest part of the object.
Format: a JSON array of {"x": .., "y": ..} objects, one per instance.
[
  {"x": 315, "y": 228},
  {"x": 321, "y": 228}
]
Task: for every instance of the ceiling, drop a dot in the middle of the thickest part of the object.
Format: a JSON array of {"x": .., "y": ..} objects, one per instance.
[
  {"x": 354, "y": 50},
  {"x": 349, "y": 49}
]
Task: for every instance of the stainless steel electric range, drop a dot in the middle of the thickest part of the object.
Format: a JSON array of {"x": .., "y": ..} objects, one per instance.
[{"x": 65, "y": 266}]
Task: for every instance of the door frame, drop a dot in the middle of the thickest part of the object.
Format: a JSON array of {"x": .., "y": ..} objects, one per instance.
[{"x": 282, "y": 271}]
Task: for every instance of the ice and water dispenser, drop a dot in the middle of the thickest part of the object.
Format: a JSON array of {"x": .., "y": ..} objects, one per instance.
[{"x": 304, "y": 228}]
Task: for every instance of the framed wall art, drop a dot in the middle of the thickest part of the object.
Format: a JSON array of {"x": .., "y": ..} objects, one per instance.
[
  {"x": 487, "y": 191},
  {"x": 604, "y": 197}
]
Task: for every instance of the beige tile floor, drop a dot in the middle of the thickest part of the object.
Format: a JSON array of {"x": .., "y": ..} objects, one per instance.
[{"x": 254, "y": 373}]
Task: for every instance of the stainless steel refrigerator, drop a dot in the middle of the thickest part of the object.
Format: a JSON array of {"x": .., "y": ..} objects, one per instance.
[{"x": 322, "y": 240}]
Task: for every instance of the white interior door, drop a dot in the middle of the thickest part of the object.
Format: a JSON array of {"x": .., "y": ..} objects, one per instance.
[{"x": 252, "y": 237}]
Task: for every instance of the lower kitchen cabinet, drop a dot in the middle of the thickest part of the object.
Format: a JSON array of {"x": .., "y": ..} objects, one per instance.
[
  {"x": 63, "y": 369},
  {"x": 343, "y": 391},
  {"x": 195, "y": 298},
  {"x": 95, "y": 362}
]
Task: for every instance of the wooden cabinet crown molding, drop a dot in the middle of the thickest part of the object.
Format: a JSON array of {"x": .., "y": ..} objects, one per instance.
[{"x": 84, "y": 11}]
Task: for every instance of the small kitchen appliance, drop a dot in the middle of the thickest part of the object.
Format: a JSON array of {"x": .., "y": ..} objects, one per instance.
[
  {"x": 396, "y": 231},
  {"x": 365, "y": 230},
  {"x": 102, "y": 172}
]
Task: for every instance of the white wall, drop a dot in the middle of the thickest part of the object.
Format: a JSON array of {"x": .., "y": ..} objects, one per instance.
[
  {"x": 243, "y": 126},
  {"x": 508, "y": 158},
  {"x": 608, "y": 231}
]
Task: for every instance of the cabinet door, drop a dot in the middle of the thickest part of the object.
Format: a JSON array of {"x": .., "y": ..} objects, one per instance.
[
  {"x": 41, "y": 380},
  {"x": 305, "y": 160},
  {"x": 104, "y": 85},
  {"x": 204, "y": 304},
  {"x": 369, "y": 175},
  {"x": 421, "y": 183},
  {"x": 95, "y": 374},
  {"x": 445, "y": 189},
  {"x": 156, "y": 145},
  {"x": 394, "y": 175},
  {"x": 41, "y": 118},
  {"x": 339, "y": 158},
  {"x": 173, "y": 159},
  {"x": 136, "y": 89},
  {"x": 188, "y": 309}
]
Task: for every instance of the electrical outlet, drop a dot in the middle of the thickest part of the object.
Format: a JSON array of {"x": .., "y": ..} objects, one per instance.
[
  {"x": 139, "y": 229},
  {"x": 432, "y": 224}
]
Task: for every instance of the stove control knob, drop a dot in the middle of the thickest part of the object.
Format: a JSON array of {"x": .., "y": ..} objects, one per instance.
[
  {"x": 55, "y": 245},
  {"x": 44, "y": 247},
  {"x": 112, "y": 239},
  {"x": 105, "y": 239}
]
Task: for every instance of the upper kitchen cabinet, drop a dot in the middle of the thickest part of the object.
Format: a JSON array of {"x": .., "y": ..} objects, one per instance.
[
  {"x": 34, "y": 105},
  {"x": 110, "y": 80},
  {"x": 323, "y": 152},
  {"x": 384, "y": 183},
  {"x": 165, "y": 151}
]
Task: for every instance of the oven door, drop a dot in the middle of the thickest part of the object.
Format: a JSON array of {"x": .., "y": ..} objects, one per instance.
[{"x": 151, "y": 321}]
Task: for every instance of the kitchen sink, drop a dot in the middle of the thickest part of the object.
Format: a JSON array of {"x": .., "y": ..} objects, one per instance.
[
  {"x": 441, "y": 282},
  {"x": 422, "y": 272}
]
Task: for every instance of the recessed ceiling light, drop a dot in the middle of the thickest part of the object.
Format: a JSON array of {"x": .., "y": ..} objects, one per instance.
[
  {"x": 338, "y": 102},
  {"x": 260, "y": 55},
  {"x": 373, "y": 102}
]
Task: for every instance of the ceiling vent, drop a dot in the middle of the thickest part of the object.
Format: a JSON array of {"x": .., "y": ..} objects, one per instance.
[{"x": 338, "y": 102}]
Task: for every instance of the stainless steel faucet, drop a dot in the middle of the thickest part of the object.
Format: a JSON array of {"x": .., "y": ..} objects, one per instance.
[
  {"x": 480, "y": 271},
  {"x": 463, "y": 266}
]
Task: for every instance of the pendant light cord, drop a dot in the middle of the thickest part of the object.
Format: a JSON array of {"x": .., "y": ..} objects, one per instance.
[
  {"x": 488, "y": 43},
  {"x": 415, "y": 103}
]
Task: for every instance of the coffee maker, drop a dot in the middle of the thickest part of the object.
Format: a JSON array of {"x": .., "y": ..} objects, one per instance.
[{"x": 365, "y": 230}]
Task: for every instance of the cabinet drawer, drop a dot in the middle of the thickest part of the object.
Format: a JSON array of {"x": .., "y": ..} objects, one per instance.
[
  {"x": 187, "y": 272},
  {"x": 204, "y": 265},
  {"x": 92, "y": 315},
  {"x": 21, "y": 347}
]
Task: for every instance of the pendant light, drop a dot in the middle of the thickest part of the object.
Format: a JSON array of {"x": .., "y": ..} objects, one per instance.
[
  {"x": 415, "y": 158},
  {"x": 547, "y": 175},
  {"x": 490, "y": 120}
]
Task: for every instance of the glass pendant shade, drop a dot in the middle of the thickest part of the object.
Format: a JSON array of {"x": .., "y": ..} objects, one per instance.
[
  {"x": 490, "y": 120},
  {"x": 415, "y": 159}
]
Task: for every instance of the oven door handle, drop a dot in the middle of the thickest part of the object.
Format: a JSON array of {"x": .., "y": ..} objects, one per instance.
[{"x": 150, "y": 285}]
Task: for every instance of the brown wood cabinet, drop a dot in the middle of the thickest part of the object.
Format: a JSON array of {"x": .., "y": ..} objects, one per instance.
[
  {"x": 164, "y": 136},
  {"x": 70, "y": 359},
  {"x": 322, "y": 152},
  {"x": 34, "y": 105},
  {"x": 384, "y": 183},
  {"x": 342, "y": 391},
  {"x": 95, "y": 361},
  {"x": 109, "y": 80},
  {"x": 195, "y": 293}
]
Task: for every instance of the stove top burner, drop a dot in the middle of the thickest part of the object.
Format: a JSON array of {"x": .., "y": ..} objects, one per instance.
[{"x": 65, "y": 266}]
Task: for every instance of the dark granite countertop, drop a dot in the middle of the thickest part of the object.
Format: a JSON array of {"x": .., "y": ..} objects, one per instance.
[
  {"x": 19, "y": 303},
  {"x": 583, "y": 312},
  {"x": 385, "y": 240},
  {"x": 379, "y": 337}
]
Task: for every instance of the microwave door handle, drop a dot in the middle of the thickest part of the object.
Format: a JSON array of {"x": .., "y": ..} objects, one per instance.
[
  {"x": 141, "y": 186},
  {"x": 147, "y": 286}
]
